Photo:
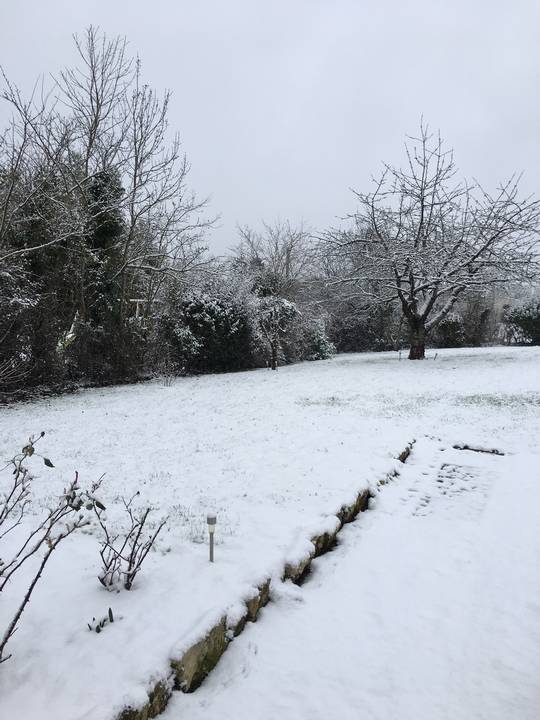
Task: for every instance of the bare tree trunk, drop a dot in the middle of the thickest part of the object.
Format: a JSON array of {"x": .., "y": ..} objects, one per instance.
[{"x": 417, "y": 340}]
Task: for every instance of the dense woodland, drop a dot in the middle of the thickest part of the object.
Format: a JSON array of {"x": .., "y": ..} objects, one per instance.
[{"x": 105, "y": 276}]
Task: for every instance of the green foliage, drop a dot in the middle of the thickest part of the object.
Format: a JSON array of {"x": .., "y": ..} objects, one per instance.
[
  {"x": 450, "y": 332},
  {"x": 79, "y": 257},
  {"x": 103, "y": 343},
  {"x": 208, "y": 333},
  {"x": 305, "y": 340},
  {"x": 44, "y": 284},
  {"x": 317, "y": 344},
  {"x": 66, "y": 314},
  {"x": 110, "y": 352},
  {"x": 525, "y": 323}
]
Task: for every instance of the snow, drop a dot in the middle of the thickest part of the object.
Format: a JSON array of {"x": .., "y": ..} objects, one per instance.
[
  {"x": 428, "y": 609},
  {"x": 429, "y": 606}
]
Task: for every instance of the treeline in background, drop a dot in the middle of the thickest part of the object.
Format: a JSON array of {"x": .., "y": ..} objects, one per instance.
[{"x": 105, "y": 276}]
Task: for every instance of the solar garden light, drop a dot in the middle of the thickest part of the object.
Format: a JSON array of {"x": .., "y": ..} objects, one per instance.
[{"x": 211, "y": 522}]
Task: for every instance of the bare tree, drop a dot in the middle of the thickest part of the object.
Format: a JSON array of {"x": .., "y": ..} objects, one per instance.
[
  {"x": 121, "y": 124},
  {"x": 94, "y": 95},
  {"x": 274, "y": 316},
  {"x": 159, "y": 204},
  {"x": 31, "y": 152},
  {"x": 278, "y": 261},
  {"x": 92, "y": 178},
  {"x": 100, "y": 117},
  {"x": 421, "y": 238}
]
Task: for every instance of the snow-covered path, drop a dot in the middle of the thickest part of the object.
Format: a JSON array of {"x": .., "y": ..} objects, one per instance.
[{"x": 427, "y": 610}]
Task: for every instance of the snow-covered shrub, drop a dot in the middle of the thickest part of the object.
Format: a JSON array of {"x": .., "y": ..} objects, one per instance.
[
  {"x": 305, "y": 338},
  {"x": 205, "y": 333},
  {"x": 123, "y": 553},
  {"x": 176, "y": 346},
  {"x": 37, "y": 540},
  {"x": 450, "y": 332},
  {"x": 524, "y": 323},
  {"x": 318, "y": 345},
  {"x": 275, "y": 316},
  {"x": 92, "y": 354}
]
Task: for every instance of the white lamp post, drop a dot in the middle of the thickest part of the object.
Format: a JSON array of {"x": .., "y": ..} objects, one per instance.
[{"x": 211, "y": 522}]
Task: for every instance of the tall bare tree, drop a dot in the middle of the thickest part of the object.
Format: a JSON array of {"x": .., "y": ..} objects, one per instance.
[
  {"x": 94, "y": 198},
  {"x": 278, "y": 260},
  {"x": 422, "y": 238},
  {"x": 280, "y": 257},
  {"x": 158, "y": 201}
]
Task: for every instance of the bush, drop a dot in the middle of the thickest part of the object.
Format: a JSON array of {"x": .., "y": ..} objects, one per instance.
[
  {"x": 123, "y": 553},
  {"x": 316, "y": 343},
  {"x": 109, "y": 352},
  {"x": 35, "y": 537},
  {"x": 450, "y": 332},
  {"x": 524, "y": 322},
  {"x": 207, "y": 334},
  {"x": 304, "y": 338}
]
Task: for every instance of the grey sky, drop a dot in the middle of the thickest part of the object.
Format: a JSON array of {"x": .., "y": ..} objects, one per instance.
[{"x": 284, "y": 105}]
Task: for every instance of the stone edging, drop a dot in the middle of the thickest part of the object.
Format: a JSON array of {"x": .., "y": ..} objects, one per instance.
[{"x": 189, "y": 671}]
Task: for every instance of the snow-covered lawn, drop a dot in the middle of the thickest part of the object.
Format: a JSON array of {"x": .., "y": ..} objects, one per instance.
[
  {"x": 427, "y": 610},
  {"x": 274, "y": 454}
]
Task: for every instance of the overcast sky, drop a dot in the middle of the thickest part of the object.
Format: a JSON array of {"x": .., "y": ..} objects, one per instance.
[{"x": 284, "y": 105}]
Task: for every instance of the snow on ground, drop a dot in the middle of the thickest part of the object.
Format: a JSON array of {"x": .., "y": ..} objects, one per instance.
[
  {"x": 274, "y": 454},
  {"x": 429, "y": 609}
]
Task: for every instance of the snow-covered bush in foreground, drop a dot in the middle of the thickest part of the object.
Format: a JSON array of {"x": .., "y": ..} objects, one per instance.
[
  {"x": 123, "y": 553},
  {"x": 36, "y": 541}
]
